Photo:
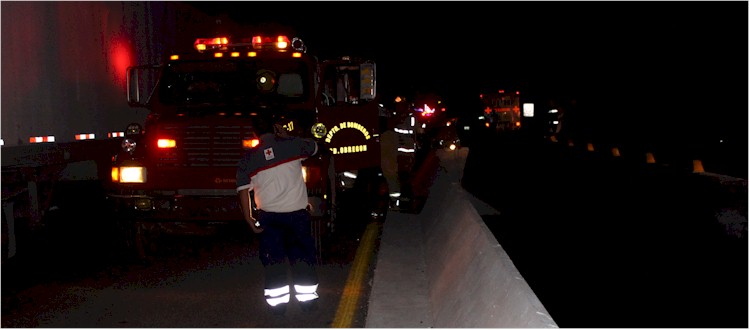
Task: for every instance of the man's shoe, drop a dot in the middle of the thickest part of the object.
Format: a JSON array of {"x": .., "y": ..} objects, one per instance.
[{"x": 309, "y": 306}]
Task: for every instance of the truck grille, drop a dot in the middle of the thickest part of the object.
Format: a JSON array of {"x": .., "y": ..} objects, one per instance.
[{"x": 207, "y": 145}]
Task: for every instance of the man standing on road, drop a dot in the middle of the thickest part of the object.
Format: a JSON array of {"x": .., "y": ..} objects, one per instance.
[{"x": 273, "y": 170}]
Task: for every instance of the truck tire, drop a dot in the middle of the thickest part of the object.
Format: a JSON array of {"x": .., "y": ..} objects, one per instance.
[
  {"x": 6, "y": 249},
  {"x": 132, "y": 238}
]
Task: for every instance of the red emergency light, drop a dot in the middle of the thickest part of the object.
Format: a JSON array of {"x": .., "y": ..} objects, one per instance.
[
  {"x": 202, "y": 44},
  {"x": 258, "y": 42},
  {"x": 280, "y": 42}
]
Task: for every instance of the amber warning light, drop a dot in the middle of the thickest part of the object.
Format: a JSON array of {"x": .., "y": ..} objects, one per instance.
[
  {"x": 250, "y": 143},
  {"x": 166, "y": 143}
]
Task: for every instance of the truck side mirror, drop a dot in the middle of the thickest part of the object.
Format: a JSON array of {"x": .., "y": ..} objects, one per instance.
[{"x": 140, "y": 84}]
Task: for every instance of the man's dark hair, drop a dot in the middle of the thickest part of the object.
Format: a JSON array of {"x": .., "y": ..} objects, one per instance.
[{"x": 264, "y": 124}]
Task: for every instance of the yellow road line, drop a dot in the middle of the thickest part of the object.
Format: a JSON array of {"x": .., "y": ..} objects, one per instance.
[{"x": 357, "y": 275}]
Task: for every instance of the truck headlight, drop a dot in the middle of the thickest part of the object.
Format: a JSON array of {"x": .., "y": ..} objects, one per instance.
[{"x": 129, "y": 174}]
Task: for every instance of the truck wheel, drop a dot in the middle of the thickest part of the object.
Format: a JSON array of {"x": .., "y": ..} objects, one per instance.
[
  {"x": 372, "y": 188},
  {"x": 6, "y": 235},
  {"x": 333, "y": 196},
  {"x": 141, "y": 243},
  {"x": 132, "y": 238}
]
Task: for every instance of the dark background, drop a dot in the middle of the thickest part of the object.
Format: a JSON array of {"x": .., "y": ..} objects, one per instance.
[
  {"x": 565, "y": 48},
  {"x": 666, "y": 77},
  {"x": 672, "y": 71}
]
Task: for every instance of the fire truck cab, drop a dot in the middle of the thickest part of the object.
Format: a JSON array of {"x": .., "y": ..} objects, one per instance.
[{"x": 177, "y": 171}]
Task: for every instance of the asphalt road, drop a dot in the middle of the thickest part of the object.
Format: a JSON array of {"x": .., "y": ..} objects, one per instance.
[
  {"x": 72, "y": 277},
  {"x": 73, "y": 274},
  {"x": 603, "y": 244}
]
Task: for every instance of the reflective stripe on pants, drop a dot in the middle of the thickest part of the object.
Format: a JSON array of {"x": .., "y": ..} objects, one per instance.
[
  {"x": 277, "y": 296},
  {"x": 306, "y": 292}
]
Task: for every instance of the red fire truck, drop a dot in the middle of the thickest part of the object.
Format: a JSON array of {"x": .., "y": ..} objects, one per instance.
[{"x": 177, "y": 171}]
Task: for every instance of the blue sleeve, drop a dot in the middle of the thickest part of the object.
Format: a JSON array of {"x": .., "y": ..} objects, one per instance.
[{"x": 243, "y": 173}]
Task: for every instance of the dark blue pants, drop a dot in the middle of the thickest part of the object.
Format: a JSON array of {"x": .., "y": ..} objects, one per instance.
[{"x": 287, "y": 236}]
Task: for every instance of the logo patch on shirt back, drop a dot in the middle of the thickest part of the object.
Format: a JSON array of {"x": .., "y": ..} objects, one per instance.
[{"x": 268, "y": 153}]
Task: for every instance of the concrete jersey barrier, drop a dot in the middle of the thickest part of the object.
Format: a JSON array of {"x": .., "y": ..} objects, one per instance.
[{"x": 451, "y": 260}]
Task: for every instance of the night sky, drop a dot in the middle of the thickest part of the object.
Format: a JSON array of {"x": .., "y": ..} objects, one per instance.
[
  {"x": 636, "y": 69},
  {"x": 676, "y": 71},
  {"x": 545, "y": 48}
]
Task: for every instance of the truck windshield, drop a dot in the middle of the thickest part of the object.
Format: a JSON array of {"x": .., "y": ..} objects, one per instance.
[{"x": 248, "y": 83}]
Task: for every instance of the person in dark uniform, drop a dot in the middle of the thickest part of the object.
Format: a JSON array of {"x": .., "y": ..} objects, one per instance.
[{"x": 273, "y": 171}]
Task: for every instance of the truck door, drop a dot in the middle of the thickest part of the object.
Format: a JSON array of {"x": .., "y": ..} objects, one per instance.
[{"x": 350, "y": 114}]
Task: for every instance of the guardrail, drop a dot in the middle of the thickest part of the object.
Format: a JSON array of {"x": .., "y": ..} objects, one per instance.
[
  {"x": 732, "y": 209},
  {"x": 692, "y": 162},
  {"x": 444, "y": 268}
]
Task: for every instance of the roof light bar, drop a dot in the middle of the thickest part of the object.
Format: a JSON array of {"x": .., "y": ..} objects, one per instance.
[
  {"x": 202, "y": 44},
  {"x": 280, "y": 42}
]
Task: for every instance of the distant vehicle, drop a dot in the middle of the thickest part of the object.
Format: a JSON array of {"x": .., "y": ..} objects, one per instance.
[
  {"x": 501, "y": 110},
  {"x": 447, "y": 136},
  {"x": 177, "y": 172},
  {"x": 428, "y": 115}
]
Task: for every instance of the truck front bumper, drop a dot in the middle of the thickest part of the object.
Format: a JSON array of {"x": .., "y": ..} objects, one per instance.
[{"x": 179, "y": 205}]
